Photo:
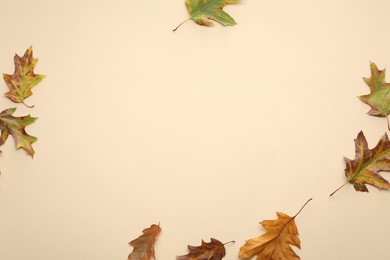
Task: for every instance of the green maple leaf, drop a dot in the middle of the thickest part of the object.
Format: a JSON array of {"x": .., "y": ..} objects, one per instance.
[
  {"x": 365, "y": 168},
  {"x": 10, "y": 125},
  {"x": 203, "y": 11},
  {"x": 24, "y": 79},
  {"x": 379, "y": 98}
]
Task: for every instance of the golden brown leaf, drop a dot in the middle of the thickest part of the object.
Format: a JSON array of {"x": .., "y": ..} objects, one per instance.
[{"x": 276, "y": 243}]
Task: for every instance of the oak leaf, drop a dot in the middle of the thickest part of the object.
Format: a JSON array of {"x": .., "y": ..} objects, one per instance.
[
  {"x": 275, "y": 243},
  {"x": 15, "y": 126},
  {"x": 203, "y": 11},
  {"x": 144, "y": 244},
  {"x": 379, "y": 98},
  {"x": 24, "y": 79},
  {"x": 367, "y": 164},
  {"x": 214, "y": 250}
]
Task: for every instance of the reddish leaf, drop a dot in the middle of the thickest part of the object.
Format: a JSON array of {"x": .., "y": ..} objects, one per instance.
[
  {"x": 214, "y": 250},
  {"x": 144, "y": 244}
]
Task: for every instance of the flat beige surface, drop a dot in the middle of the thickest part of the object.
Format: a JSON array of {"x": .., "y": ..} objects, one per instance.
[{"x": 206, "y": 130}]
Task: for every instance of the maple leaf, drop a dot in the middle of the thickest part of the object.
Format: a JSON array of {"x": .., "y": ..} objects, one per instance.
[
  {"x": 10, "y": 125},
  {"x": 214, "y": 250},
  {"x": 203, "y": 11},
  {"x": 23, "y": 79},
  {"x": 364, "y": 169},
  {"x": 275, "y": 243},
  {"x": 144, "y": 244},
  {"x": 379, "y": 98}
]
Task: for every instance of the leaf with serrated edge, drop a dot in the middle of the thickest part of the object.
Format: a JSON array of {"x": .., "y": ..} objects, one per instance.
[
  {"x": 214, "y": 250},
  {"x": 15, "y": 126},
  {"x": 144, "y": 244},
  {"x": 203, "y": 12},
  {"x": 367, "y": 163},
  {"x": 275, "y": 243},
  {"x": 24, "y": 79},
  {"x": 379, "y": 97}
]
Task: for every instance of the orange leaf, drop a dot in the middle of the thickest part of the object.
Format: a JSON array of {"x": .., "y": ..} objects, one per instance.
[
  {"x": 144, "y": 244},
  {"x": 276, "y": 243}
]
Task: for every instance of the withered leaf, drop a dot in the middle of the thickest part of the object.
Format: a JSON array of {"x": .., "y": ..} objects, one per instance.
[
  {"x": 379, "y": 98},
  {"x": 367, "y": 163},
  {"x": 15, "y": 126},
  {"x": 24, "y": 79},
  {"x": 214, "y": 250},
  {"x": 144, "y": 244},
  {"x": 276, "y": 243}
]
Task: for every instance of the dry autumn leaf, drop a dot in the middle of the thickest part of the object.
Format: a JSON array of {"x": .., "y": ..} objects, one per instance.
[
  {"x": 24, "y": 79},
  {"x": 144, "y": 244},
  {"x": 364, "y": 169},
  {"x": 379, "y": 98},
  {"x": 214, "y": 250},
  {"x": 10, "y": 125},
  {"x": 203, "y": 11},
  {"x": 275, "y": 243}
]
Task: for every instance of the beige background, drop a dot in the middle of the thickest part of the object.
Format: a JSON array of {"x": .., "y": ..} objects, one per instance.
[{"x": 206, "y": 130}]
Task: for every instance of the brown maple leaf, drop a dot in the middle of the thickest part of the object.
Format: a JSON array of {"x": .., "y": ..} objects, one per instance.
[
  {"x": 24, "y": 79},
  {"x": 275, "y": 243},
  {"x": 214, "y": 250},
  {"x": 364, "y": 169},
  {"x": 144, "y": 244}
]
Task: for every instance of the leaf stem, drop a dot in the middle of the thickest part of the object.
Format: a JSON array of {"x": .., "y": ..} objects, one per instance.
[
  {"x": 27, "y": 105},
  {"x": 303, "y": 207},
  {"x": 294, "y": 217},
  {"x": 338, "y": 189},
  {"x": 230, "y": 242},
  {"x": 388, "y": 123},
  {"x": 181, "y": 24}
]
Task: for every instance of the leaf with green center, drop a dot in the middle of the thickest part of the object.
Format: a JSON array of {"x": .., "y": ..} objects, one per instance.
[
  {"x": 24, "y": 79},
  {"x": 364, "y": 169},
  {"x": 10, "y": 125},
  {"x": 203, "y": 11},
  {"x": 379, "y": 98}
]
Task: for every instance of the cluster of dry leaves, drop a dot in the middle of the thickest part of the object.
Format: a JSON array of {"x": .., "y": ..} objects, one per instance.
[
  {"x": 274, "y": 244},
  {"x": 281, "y": 233}
]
